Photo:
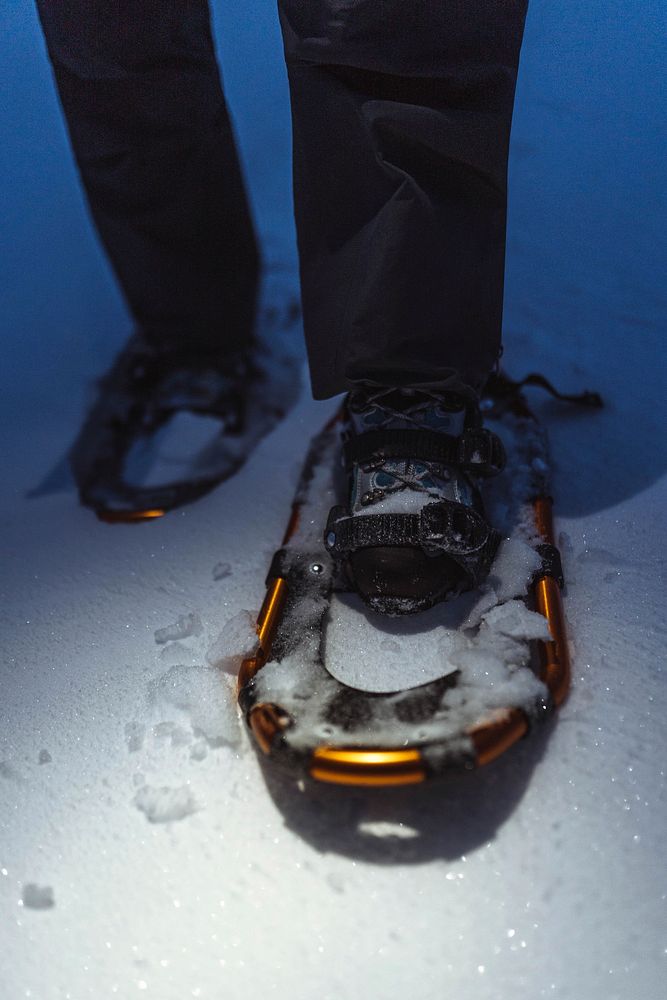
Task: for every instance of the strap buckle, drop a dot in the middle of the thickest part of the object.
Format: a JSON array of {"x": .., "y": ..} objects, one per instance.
[
  {"x": 451, "y": 527},
  {"x": 481, "y": 452}
]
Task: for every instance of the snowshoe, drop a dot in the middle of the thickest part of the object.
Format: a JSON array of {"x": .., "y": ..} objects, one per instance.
[
  {"x": 501, "y": 659},
  {"x": 244, "y": 394}
]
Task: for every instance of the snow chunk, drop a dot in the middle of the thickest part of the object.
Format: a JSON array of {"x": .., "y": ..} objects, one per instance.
[
  {"x": 513, "y": 619},
  {"x": 513, "y": 569},
  {"x": 204, "y": 695},
  {"x": 237, "y": 639},
  {"x": 165, "y": 805},
  {"x": 37, "y": 897},
  {"x": 494, "y": 667},
  {"x": 183, "y": 628}
]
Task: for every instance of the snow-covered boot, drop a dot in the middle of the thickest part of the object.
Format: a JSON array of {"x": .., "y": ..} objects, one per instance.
[{"x": 415, "y": 532}]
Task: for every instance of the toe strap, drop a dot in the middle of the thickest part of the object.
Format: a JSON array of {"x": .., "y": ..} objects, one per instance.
[
  {"x": 442, "y": 528},
  {"x": 478, "y": 450}
]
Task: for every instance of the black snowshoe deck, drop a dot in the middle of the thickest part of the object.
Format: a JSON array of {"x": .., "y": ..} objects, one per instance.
[{"x": 310, "y": 723}]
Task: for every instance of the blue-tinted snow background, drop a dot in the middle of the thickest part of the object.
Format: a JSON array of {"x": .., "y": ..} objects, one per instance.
[{"x": 543, "y": 877}]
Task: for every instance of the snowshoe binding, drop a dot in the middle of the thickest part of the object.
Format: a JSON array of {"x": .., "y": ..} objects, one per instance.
[{"x": 415, "y": 531}]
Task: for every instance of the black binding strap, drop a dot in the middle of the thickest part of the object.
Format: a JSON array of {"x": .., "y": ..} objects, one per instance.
[
  {"x": 501, "y": 386},
  {"x": 441, "y": 528},
  {"x": 477, "y": 450}
]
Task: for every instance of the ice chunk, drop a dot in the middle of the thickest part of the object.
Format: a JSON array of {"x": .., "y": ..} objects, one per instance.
[
  {"x": 44, "y": 757},
  {"x": 165, "y": 805},
  {"x": 37, "y": 897},
  {"x": 183, "y": 628},
  {"x": 238, "y": 638}
]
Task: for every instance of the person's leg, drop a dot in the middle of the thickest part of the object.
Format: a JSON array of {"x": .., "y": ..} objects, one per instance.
[
  {"x": 401, "y": 119},
  {"x": 141, "y": 92}
]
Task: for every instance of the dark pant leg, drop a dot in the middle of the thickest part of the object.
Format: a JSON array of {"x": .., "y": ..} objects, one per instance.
[
  {"x": 401, "y": 117},
  {"x": 141, "y": 92}
]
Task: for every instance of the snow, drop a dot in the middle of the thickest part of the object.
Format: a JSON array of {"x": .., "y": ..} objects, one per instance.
[
  {"x": 539, "y": 876},
  {"x": 201, "y": 694},
  {"x": 134, "y": 736},
  {"x": 165, "y": 805},
  {"x": 236, "y": 639},
  {"x": 513, "y": 569}
]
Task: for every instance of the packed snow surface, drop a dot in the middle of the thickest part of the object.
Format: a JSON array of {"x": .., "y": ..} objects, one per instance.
[{"x": 541, "y": 876}]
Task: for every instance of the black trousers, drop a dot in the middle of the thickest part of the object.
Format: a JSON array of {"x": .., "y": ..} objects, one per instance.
[{"x": 401, "y": 113}]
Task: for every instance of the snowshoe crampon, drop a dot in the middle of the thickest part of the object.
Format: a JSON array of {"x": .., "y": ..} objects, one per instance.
[{"x": 506, "y": 669}]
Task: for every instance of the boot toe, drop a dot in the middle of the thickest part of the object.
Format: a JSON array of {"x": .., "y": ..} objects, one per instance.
[{"x": 401, "y": 579}]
